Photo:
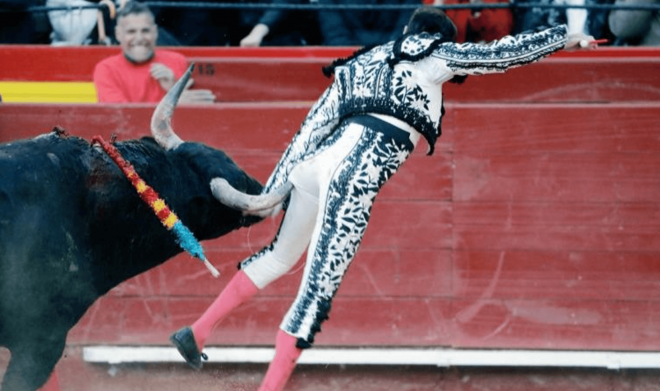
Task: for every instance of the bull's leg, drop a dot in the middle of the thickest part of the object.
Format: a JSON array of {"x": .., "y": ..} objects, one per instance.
[{"x": 31, "y": 365}]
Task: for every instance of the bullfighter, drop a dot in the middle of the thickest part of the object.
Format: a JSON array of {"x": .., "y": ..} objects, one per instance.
[{"x": 382, "y": 100}]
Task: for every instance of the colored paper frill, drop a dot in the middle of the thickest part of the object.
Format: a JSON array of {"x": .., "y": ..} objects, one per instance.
[{"x": 184, "y": 237}]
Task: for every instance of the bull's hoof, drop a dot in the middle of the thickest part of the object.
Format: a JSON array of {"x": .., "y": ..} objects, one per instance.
[{"x": 184, "y": 341}]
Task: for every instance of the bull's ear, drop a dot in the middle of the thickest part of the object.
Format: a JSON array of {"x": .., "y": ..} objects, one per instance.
[{"x": 161, "y": 120}]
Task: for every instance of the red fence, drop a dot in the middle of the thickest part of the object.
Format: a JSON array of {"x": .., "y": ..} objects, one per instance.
[{"x": 532, "y": 227}]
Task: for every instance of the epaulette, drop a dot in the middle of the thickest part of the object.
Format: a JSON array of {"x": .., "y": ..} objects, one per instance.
[{"x": 414, "y": 47}]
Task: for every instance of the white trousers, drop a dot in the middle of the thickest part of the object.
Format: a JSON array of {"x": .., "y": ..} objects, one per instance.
[{"x": 328, "y": 211}]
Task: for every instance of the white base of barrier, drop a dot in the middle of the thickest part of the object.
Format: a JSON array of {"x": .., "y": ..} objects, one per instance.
[{"x": 387, "y": 356}]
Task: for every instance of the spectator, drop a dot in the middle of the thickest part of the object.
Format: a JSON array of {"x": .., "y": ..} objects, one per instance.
[
  {"x": 85, "y": 26},
  {"x": 579, "y": 20},
  {"x": 196, "y": 26},
  {"x": 141, "y": 73},
  {"x": 280, "y": 27},
  {"x": 475, "y": 25},
  {"x": 349, "y": 27},
  {"x": 635, "y": 27},
  {"x": 71, "y": 27}
]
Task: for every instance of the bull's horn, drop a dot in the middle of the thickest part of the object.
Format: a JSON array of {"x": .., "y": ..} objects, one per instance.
[
  {"x": 257, "y": 205},
  {"x": 161, "y": 120}
]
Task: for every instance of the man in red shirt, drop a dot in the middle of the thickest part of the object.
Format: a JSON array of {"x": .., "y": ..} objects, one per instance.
[{"x": 141, "y": 73}]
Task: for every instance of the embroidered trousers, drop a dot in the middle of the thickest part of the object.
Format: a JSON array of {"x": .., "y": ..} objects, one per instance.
[{"x": 329, "y": 210}]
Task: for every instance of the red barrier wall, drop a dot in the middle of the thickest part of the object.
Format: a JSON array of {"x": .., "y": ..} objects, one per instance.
[{"x": 532, "y": 227}]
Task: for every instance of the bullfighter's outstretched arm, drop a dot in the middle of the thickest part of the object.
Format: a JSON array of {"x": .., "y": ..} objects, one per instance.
[
  {"x": 444, "y": 59},
  {"x": 503, "y": 54}
]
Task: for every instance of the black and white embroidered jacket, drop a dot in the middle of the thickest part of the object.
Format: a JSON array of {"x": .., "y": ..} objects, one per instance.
[{"x": 404, "y": 79}]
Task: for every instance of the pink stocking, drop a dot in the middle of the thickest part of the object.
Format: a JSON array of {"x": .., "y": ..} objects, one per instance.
[
  {"x": 283, "y": 364},
  {"x": 239, "y": 289}
]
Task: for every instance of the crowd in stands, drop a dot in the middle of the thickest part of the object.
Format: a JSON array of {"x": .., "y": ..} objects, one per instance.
[{"x": 254, "y": 26}]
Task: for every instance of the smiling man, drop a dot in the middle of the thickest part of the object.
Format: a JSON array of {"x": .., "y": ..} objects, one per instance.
[{"x": 141, "y": 73}]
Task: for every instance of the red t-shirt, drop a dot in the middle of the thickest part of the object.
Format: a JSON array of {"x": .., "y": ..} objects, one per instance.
[{"x": 118, "y": 80}]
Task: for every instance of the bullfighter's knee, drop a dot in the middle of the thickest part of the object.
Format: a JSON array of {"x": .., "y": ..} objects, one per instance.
[{"x": 268, "y": 269}]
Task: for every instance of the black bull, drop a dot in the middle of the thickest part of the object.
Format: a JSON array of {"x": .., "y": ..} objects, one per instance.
[{"x": 72, "y": 227}]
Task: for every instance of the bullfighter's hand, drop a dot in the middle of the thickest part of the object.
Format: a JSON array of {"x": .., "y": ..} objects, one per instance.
[{"x": 163, "y": 74}]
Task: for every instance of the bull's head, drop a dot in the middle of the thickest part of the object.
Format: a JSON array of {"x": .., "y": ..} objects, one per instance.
[{"x": 161, "y": 128}]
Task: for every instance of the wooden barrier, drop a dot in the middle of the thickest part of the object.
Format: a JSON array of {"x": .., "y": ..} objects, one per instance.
[
  {"x": 533, "y": 226},
  {"x": 294, "y": 75}
]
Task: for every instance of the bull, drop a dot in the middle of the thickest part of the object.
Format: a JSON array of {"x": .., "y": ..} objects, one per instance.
[{"x": 72, "y": 227}]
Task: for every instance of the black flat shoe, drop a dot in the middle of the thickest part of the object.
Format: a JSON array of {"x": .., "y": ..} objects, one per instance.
[{"x": 185, "y": 344}]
